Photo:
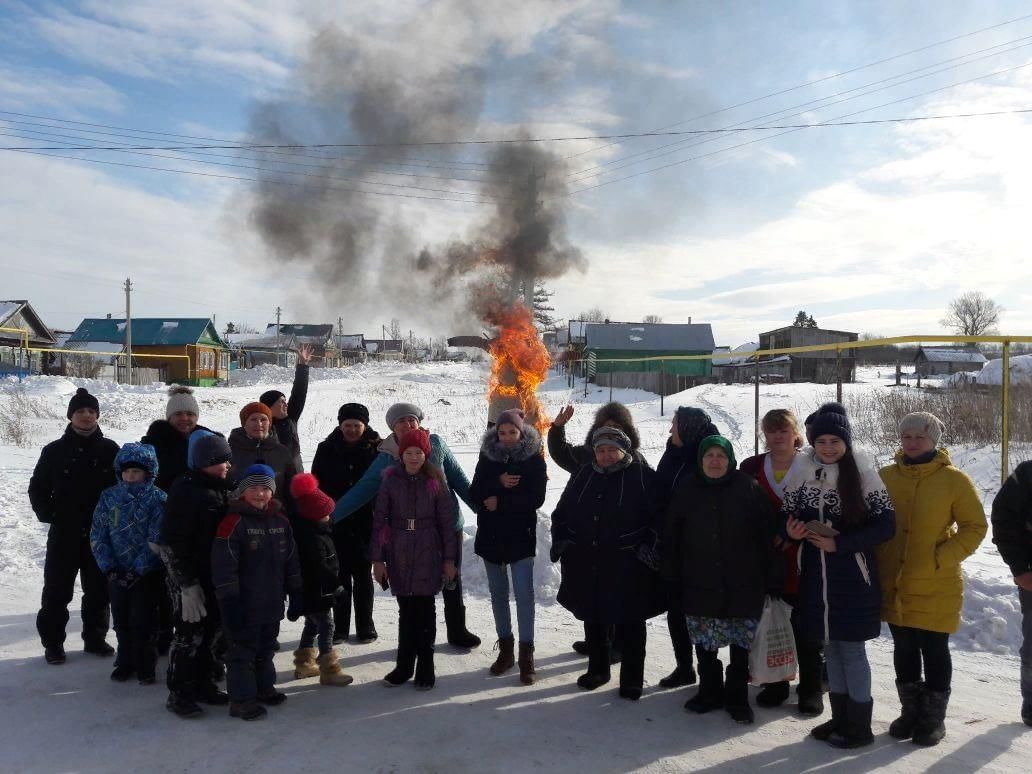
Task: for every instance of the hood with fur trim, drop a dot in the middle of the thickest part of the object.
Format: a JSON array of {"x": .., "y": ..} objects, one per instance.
[
  {"x": 619, "y": 414},
  {"x": 529, "y": 445}
]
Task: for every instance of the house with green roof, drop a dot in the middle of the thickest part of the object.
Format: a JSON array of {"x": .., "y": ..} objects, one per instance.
[{"x": 185, "y": 350}]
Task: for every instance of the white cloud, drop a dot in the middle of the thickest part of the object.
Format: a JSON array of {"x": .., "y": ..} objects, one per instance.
[{"x": 33, "y": 88}]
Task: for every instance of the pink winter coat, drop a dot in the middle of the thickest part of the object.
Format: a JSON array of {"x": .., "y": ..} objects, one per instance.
[{"x": 413, "y": 532}]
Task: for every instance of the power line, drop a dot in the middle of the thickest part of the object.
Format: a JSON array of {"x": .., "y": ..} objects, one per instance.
[
  {"x": 825, "y": 78},
  {"x": 883, "y": 84},
  {"x": 718, "y": 131},
  {"x": 791, "y": 130},
  {"x": 241, "y": 177}
]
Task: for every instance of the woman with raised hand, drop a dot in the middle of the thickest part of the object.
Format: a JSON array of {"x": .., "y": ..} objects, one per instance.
[
  {"x": 940, "y": 522},
  {"x": 838, "y": 510}
]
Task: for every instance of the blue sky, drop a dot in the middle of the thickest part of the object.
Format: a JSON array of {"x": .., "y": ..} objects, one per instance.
[{"x": 869, "y": 228}]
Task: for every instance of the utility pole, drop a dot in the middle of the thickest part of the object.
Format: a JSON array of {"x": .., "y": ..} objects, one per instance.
[
  {"x": 278, "y": 313},
  {"x": 128, "y": 333},
  {"x": 340, "y": 340},
  {"x": 411, "y": 346}
]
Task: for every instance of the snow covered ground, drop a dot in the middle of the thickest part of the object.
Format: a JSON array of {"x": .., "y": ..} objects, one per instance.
[{"x": 72, "y": 718}]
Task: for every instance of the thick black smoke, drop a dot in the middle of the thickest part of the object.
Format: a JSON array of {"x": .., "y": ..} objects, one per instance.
[{"x": 368, "y": 248}]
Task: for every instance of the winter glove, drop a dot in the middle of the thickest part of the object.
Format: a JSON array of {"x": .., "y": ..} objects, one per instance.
[
  {"x": 557, "y": 550},
  {"x": 295, "y": 607},
  {"x": 232, "y": 616},
  {"x": 648, "y": 555},
  {"x": 192, "y": 604}
]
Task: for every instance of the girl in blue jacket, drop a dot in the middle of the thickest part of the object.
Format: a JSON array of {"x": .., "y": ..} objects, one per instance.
[{"x": 126, "y": 522}]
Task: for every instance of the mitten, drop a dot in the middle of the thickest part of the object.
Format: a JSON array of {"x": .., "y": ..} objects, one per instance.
[{"x": 295, "y": 607}]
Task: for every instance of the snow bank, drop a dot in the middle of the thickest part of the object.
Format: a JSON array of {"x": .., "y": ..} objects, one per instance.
[
  {"x": 1020, "y": 371},
  {"x": 546, "y": 574}
]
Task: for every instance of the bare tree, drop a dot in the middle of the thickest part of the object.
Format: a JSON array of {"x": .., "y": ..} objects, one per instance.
[
  {"x": 595, "y": 314},
  {"x": 972, "y": 314},
  {"x": 394, "y": 329},
  {"x": 652, "y": 319}
]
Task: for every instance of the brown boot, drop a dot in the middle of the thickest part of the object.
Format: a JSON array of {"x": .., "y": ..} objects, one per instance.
[
  {"x": 330, "y": 672},
  {"x": 526, "y": 662},
  {"x": 304, "y": 663},
  {"x": 505, "y": 659}
]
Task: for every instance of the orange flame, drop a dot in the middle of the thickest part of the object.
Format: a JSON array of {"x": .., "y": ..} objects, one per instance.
[{"x": 520, "y": 362}]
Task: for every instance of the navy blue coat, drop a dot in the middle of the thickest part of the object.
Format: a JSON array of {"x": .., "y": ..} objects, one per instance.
[
  {"x": 508, "y": 533},
  {"x": 600, "y": 521},
  {"x": 839, "y": 593}
]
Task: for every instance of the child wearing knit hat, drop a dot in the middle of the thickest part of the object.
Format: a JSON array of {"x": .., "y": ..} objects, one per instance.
[{"x": 320, "y": 576}]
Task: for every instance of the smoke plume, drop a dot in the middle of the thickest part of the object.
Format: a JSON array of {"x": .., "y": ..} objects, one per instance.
[{"x": 356, "y": 218}]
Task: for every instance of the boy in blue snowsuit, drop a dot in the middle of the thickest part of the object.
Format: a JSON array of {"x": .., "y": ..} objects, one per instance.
[{"x": 126, "y": 521}]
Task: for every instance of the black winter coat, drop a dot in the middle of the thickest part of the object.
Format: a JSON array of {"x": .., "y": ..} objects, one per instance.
[
  {"x": 69, "y": 477},
  {"x": 339, "y": 466},
  {"x": 247, "y": 451},
  {"x": 285, "y": 429},
  {"x": 254, "y": 561},
  {"x": 1012, "y": 520},
  {"x": 719, "y": 556},
  {"x": 600, "y": 521},
  {"x": 195, "y": 506},
  {"x": 508, "y": 533},
  {"x": 320, "y": 569},
  {"x": 172, "y": 449}
]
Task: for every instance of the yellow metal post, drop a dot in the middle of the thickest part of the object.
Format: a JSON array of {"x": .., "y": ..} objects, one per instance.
[{"x": 1005, "y": 397}]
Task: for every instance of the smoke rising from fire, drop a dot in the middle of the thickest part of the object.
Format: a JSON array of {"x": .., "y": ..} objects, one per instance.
[{"x": 372, "y": 250}]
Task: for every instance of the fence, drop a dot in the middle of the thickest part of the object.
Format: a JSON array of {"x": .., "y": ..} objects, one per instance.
[{"x": 840, "y": 347}]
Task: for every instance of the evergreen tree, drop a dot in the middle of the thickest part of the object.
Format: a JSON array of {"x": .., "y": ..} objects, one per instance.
[
  {"x": 800, "y": 319},
  {"x": 542, "y": 307}
]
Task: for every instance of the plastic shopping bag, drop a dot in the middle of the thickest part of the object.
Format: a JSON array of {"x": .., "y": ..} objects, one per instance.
[{"x": 773, "y": 654}]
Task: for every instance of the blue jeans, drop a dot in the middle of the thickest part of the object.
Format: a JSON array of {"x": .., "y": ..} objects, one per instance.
[
  {"x": 523, "y": 588},
  {"x": 849, "y": 672},
  {"x": 318, "y": 625}
]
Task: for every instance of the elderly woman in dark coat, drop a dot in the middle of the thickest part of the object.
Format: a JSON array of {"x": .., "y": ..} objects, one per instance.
[
  {"x": 602, "y": 517},
  {"x": 721, "y": 561}
]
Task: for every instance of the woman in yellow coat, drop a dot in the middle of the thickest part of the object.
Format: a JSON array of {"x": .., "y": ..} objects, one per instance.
[{"x": 940, "y": 521}]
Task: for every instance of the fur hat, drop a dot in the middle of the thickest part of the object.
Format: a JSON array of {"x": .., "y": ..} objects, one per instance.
[
  {"x": 923, "y": 422},
  {"x": 309, "y": 500},
  {"x": 618, "y": 414},
  {"x": 513, "y": 416},
  {"x": 611, "y": 436},
  {"x": 253, "y": 408},
  {"x": 831, "y": 419},
  {"x": 206, "y": 448},
  {"x": 402, "y": 410},
  {"x": 269, "y": 397},
  {"x": 82, "y": 399},
  {"x": 353, "y": 411},
  {"x": 419, "y": 438},
  {"x": 181, "y": 399},
  {"x": 256, "y": 475}
]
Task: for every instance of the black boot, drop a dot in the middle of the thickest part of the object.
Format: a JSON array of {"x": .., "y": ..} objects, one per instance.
[
  {"x": 426, "y": 635},
  {"x": 710, "y": 695},
  {"x": 931, "y": 718},
  {"x": 247, "y": 710},
  {"x": 1026, "y": 712},
  {"x": 182, "y": 703},
  {"x": 598, "y": 673},
  {"x": 680, "y": 677},
  {"x": 857, "y": 731},
  {"x": 909, "y": 700},
  {"x": 772, "y": 694},
  {"x": 581, "y": 647},
  {"x": 211, "y": 694},
  {"x": 811, "y": 700},
  {"x": 123, "y": 664},
  {"x": 54, "y": 655},
  {"x": 736, "y": 695},
  {"x": 458, "y": 634},
  {"x": 97, "y": 646},
  {"x": 405, "y": 663},
  {"x": 838, "y": 718}
]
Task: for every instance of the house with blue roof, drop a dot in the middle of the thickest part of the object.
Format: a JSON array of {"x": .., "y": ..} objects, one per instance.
[{"x": 184, "y": 350}]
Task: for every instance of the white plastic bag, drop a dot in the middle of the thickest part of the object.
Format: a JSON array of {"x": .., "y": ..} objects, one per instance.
[{"x": 773, "y": 654}]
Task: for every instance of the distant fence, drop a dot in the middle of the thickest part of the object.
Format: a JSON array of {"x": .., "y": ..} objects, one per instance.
[{"x": 839, "y": 348}]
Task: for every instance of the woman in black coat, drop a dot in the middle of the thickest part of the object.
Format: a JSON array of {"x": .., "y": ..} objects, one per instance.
[
  {"x": 340, "y": 462},
  {"x": 721, "y": 562},
  {"x": 508, "y": 488},
  {"x": 603, "y": 516}
]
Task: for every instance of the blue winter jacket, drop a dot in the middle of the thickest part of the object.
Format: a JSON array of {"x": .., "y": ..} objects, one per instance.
[
  {"x": 369, "y": 485},
  {"x": 128, "y": 516},
  {"x": 839, "y": 593}
]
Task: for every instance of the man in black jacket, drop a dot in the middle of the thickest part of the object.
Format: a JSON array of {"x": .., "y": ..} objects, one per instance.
[
  {"x": 65, "y": 486},
  {"x": 195, "y": 506},
  {"x": 1012, "y": 533},
  {"x": 340, "y": 461},
  {"x": 287, "y": 413}
]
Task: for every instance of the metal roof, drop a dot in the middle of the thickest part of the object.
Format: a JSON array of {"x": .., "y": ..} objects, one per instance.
[
  {"x": 147, "y": 331},
  {"x": 951, "y": 355},
  {"x": 38, "y": 333},
  {"x": 305, "y": 332},
  {"x": 645, "y": 337}
]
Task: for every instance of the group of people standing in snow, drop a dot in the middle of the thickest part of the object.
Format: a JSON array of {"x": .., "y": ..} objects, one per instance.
[{"x": 200, "y": 544}]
